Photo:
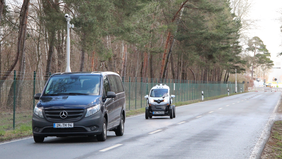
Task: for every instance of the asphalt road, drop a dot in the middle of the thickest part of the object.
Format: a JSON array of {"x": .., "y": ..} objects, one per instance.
[{"x": 231, "y": 127}]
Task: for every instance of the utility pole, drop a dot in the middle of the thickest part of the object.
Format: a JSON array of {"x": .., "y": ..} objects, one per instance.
[
  {"x": 235, "y": 80},
  {"x": 253, "y": 63},
  {"x": 69, "y": 26}
]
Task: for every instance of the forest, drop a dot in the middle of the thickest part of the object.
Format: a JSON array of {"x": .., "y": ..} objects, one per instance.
[{"x": 197, "y": 40}]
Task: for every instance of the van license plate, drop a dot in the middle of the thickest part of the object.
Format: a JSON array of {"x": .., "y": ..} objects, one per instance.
[
  {"x": 158, "y": 112},
  {"x": 63, "y": 125}
]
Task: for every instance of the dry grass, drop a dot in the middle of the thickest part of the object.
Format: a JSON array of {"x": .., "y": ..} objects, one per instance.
[{"x": 22, "y": 125}]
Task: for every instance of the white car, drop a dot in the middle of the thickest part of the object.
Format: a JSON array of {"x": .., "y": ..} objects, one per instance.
[{"x": 159, "y": 102}]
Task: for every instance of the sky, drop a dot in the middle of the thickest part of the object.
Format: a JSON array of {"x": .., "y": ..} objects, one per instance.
[
  {"x": 268, "y": 20},
  {"x": 268, "y": 17}
]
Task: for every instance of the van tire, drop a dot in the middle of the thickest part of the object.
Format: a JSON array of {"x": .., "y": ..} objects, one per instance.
[
  {"x": 120, "y": 129},
  {"x": 103, "y": 135},
  {"x": 38, "y": 139}
]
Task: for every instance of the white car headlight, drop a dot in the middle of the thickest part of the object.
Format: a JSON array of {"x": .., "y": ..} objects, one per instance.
[
  {"x": 92, "y": 110},
  {"x": 38, "y": 111},
  {"x": 151, "y": 101}
]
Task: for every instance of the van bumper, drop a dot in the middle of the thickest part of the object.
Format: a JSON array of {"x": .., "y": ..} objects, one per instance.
[{"x": 91, "y": 125}]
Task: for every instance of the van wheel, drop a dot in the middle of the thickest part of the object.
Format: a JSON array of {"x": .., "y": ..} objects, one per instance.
[
  {"x": 120, "y": 129},
  {"x": 38, "y": 139},
  {"x": 103, "y": 135}
]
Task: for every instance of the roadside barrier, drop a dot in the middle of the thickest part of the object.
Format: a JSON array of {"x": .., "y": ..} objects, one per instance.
[{"x": 17, "y": 103}]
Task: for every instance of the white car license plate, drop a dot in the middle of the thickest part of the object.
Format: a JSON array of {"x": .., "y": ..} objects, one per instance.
[
  {"x": 158, "y": 112},
  {"x": 63, "y": 125}
]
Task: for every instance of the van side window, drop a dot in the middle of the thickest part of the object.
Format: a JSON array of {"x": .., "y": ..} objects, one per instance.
[
  {"x": 113, "y": 84},
  {"x": 119, "y": 84},
  {"x": 106, "y": 86}
]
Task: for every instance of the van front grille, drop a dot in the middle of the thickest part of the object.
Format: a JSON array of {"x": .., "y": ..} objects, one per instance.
[{"x": 63, "y": 114}]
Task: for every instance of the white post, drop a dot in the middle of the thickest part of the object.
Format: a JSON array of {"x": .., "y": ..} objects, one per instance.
[
  {"x": 228, "y": 91},
  {"x": 202, "y": 95},
  {"x": 235, "y": 80},
  {"x": 68, "y": 19}
]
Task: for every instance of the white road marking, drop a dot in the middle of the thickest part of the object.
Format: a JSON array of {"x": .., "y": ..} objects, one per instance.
[
  {"x": 181, "y": 122},
  {"x": 227, "y": 105},
  {"x": 198, "y": 116},
  {"x": 155, "y": 131},
  {"x": 219, "y": 108},
  {"x": 233, "y": 103},
  {"x": 211, "y": 112},
  {"x": 109, "y": 148}
]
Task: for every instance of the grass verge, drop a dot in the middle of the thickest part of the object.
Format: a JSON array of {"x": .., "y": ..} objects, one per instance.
[{"x": 273, "y": 147}]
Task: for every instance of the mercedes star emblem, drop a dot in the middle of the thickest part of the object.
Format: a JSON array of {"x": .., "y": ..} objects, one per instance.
[{"x": 64, "y": 114}]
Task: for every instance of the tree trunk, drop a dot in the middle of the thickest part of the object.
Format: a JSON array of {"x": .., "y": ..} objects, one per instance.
[
  {"x": 178, "y": 67},
  {"x": 193, "y": 73},
  {"x": 2, "y": 3},
  {"x": 122, "y": 59},
  {"x": 82, "y": 53},
  {"x": 0, "y": 66},
  {"x": 50, "y": 53},
  {"x": 145, "y": 64},
  {"x": 171, "y": 67},
  {"x": 165, "y": 58},
  {"x": 20, "y": 52},
  {"x": 60, "y": 52},
  {"x": 125, "y": 62},
  {"x": 151, "y": 66}
]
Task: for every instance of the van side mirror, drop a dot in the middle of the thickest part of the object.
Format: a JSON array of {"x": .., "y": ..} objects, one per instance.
[
  {"x": 37, "y": 96},
  {"x": 111, "y": 94},
  {"x": 146, "y": 96},
  {"x": 172, "y": 96}
]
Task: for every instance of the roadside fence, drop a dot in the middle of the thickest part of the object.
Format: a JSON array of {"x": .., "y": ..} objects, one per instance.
[{"x": 17, "y": 103}]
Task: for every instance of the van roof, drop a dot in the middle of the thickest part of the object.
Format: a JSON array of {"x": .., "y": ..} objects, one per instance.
[{"x": 87, "y": 73}]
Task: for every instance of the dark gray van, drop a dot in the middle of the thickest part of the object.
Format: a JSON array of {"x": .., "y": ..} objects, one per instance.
[{"x": 72, "y": 104}]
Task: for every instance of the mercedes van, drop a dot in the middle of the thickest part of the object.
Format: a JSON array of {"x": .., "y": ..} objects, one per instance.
[{"x": 80, "y": 104}]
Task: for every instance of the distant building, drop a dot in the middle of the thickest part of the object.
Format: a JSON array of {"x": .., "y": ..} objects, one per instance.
[{"x": 276, "y": 71}]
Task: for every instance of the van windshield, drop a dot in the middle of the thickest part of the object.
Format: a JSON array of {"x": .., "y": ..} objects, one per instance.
[
  {"x": 159, "y": 93},
  {"x": 73, "y": 85}
]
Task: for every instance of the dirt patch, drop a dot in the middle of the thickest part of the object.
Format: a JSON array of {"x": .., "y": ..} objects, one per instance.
[{"x": 273, "y": 147}]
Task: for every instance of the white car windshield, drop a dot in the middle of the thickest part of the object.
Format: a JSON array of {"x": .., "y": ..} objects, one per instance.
[{"x": 159, "y": 93}]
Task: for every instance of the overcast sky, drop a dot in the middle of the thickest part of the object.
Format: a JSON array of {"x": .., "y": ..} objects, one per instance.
[{"x": 268, "y": 14}]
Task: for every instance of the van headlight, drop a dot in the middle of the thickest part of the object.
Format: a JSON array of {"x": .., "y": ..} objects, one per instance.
[
  {"x": 92, "y": 110},
  {"x": 38, "y": 111},
  {"x": 151, "y": 101}
]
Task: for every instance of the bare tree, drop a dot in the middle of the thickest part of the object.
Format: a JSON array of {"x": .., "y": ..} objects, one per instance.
[
  {"x": 241, "y": 9},
  {"x": 20, "y": 51}
]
